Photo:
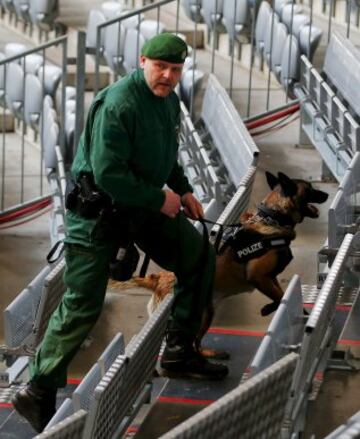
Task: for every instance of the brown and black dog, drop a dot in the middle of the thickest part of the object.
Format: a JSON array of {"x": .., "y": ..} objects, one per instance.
[{"x": 256, "y": 251}]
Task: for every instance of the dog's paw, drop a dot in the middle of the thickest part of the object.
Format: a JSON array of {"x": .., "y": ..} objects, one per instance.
[{"x": 269, "y": 308}]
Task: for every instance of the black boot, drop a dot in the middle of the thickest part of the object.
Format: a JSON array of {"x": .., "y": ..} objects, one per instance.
[
  {"x": 36, "y": 404},
  {"x": 181, "y": 360}
]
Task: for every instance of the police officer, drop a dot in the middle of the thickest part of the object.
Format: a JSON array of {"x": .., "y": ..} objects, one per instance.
[{"x": 129, "y": 151}]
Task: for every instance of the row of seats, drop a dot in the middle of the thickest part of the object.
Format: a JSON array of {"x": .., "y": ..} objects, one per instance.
[
  {"x": 218, "y": 153},
  {"x": 117, "y": 385},
  {"x": 41, "y": 13},
  {"x": 121, "y": 43},
  {"x": 331, "y": 112},
  {"x": 230, "y": 16},
  {"x": 282, "y": 35}
]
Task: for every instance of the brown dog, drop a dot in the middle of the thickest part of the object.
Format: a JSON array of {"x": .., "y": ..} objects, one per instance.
[{"x": 258, "y": 250}]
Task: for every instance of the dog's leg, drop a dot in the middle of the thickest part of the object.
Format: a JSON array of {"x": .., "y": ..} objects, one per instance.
[
  {"x": 214, "y": 354},
  {"x": 260, "y": 272}
]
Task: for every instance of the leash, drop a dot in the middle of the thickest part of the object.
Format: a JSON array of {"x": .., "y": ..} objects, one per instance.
[{"x": 204, "y": 221}]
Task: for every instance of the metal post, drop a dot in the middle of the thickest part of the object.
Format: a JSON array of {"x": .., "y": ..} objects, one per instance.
[{"x": 80, "y": 90}]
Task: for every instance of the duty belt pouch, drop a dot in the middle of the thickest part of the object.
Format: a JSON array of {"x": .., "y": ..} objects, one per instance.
[
  {"x": 125, "y": 263},
  {"x": 84, "y": 198},
  {"x": 71, "y": 195}
]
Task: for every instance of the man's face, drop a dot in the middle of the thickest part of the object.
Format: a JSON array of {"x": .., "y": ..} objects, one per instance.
[{"x": 161, "y": 76}]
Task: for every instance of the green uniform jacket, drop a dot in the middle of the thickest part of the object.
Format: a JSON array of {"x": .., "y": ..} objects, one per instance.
[{"x": 130, "y": 144}]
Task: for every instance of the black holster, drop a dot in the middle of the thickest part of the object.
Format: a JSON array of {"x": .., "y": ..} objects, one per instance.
[{"x": 84, "y": 198}]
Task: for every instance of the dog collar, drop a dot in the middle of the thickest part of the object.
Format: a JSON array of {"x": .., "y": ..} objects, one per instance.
[{"x": 274, "y": 216}]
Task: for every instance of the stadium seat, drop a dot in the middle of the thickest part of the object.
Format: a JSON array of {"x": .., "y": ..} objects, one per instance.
[
  {"x": 95, "y": 18},
  {"x": 52, "y": 76},
  {"x": 278, "y": 46},
  {"x": 133, "y": 44},
  {"x": 32, "y": 100},
  {"x": 262, "y": 21},
  {"x": 192, "y": 9},
  {"x": 235, "y": 18},
  {"x": 150, "y": 28},
  {"x": 114, "y": 45},
  {"x": 290, "y": 63},
  {"x": 309, "y": 40}
]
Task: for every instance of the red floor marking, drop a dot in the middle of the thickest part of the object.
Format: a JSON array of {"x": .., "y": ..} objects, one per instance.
[
  {"x": 132, "y": 429},
  {"x": 174, "y": 400},
  {"x": 74, "y": 381},
  {"x": 349, "y": 342},
  {"x": 338, "y": 307},
  {"x": 5, "y": 405},
  {"x": 236, "y": 332}
]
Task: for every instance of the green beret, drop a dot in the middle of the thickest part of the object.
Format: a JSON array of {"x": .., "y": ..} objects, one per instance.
[{"x": 166, "y": 46}]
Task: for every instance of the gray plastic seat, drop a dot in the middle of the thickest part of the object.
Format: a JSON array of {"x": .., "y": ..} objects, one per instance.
[
  {"x": 262, "y": 21},
  {"x": 190, "y": 82},
  {"x": 288, "y": 13},
  {"x": 33, "y": 100},
  {"x": 32, "y": 63},
  {"x": 133, "y": 45},
  {"x": 52, "y": 76},
  {"x": 95, "y": 18},
  {"x": 9, "y": 5},
  {"x": 269, "y": 37},
  {"x": 212, "y": 12},
  {"x": 299, "y": 21},
  {"x": 2, "y": 78},
  {"x": 279, "y": 4},
  {"x": 309, "y": 40},
  {"x": 14, "y": 88},
  {"x": 278, "y": 46},
  {"x": 235, "y": 18},
  {"x": 131, "y": 22},
  {"x": 43, "y": 13},
  {"x": 290, "y": 63},
  {"x": 49, "y": 135},
  {"x": 192, "y": 9},
  {"x": 22, "y": 9},
  {"x": 114, "y": 46},
  {"x": 70, "y": 119},
  {"x": 13, "y": 49},
  {"x": 150, "y": 28},
  {"x": 111, "y": 9}
]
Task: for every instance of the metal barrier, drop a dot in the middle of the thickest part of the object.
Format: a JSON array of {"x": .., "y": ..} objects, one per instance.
[
  {"x": 228, "y": 133},
  {"x": 254, "y": 409},
  {"x": 124, "y": 388},
  {"x": 285, "y": 332},
  {"x": 350, "y": 430},
  {"x": 26, "y": 318},
  {"x": 343, "y": 218},
  {"x": 320, "y": 337},
  {"x": 344, "y": 209},
  {"x": 29, "y": 86},
  {"x": 71, "y": 427},
  {"x": 84, "y": 392}
]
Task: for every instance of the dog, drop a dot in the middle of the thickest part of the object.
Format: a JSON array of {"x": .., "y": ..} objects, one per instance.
[{"x": 255, "y": 252}]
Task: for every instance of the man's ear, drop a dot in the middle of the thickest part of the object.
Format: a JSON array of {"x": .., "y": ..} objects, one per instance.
[{"x": 142, "y": 61}]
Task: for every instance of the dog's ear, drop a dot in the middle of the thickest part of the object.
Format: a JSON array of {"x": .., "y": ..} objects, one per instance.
[
  {"x": 271, "y": 179},
  {"x": 288, "y": 186}
]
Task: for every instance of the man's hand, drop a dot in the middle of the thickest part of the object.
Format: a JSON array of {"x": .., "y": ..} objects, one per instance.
[
  {"x": 192, "y": 208},
  {"x": 171, "y": 204}
]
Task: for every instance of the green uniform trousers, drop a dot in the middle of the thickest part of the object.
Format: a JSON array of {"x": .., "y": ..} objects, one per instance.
[{"x": 174, "y": 244}]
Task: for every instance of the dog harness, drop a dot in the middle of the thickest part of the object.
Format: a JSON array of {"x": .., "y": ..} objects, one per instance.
[{"x": 249, "y": 245}]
